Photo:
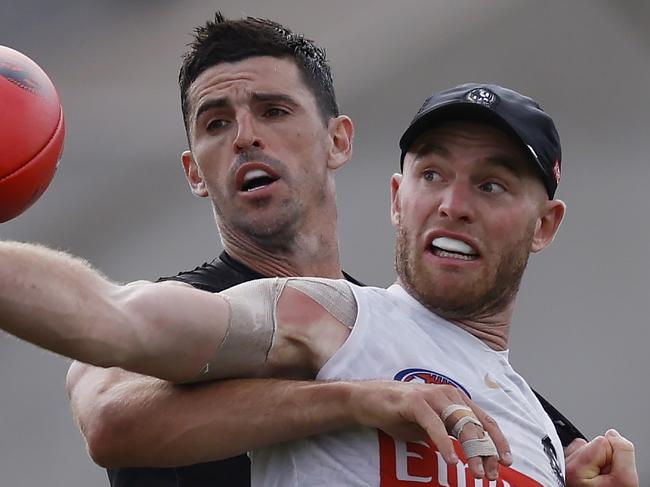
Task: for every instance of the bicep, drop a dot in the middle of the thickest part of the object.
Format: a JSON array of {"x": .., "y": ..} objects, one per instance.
[
  {"x": 175, "y": 328},
  {"x": 268, "y": 327},
  {"x": 277, "y": 328}
]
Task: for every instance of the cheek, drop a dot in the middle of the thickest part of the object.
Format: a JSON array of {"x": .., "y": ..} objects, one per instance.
[
  {"x": 307, "y": 154},
  {"x": 212, "y": 172},
  {"x": 416, "y": 209},
  {"x": 509, "y": 226},
  {"x": 303, "y": 136},
  {"x": 297, "y": 143},
  {"x": 213, "y": 152}
]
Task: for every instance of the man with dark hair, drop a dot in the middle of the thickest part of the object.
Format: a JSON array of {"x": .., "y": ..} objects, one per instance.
[
  {"x": 228, "y": 41},
  {"x": 265, "y": 137}
]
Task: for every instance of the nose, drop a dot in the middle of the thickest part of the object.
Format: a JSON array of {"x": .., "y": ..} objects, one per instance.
[
  {"x": 247, "y": 134},
  {"x": 456, "y": 202}
]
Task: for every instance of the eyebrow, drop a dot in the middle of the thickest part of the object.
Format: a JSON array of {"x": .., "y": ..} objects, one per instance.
[
  {"x": 276, "y": 97},
  {"x": 222, "y": 102},
  {"x": 210, "y": 105},
  {"x": 514, "y": 166}
]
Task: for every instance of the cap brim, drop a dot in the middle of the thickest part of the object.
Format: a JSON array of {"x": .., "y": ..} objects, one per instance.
[
  {"x": 455, "y": 111},
  {"x": 463, "y": 111}
]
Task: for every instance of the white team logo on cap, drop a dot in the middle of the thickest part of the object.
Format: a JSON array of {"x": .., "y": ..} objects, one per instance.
[{"x": 482, "y": 96}]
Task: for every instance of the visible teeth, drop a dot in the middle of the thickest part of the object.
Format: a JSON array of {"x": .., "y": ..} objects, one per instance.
[
  {"x": 256, "y": 173},
  {"x": 453, "y": 245},
  {"x": 453, "y": 255}
]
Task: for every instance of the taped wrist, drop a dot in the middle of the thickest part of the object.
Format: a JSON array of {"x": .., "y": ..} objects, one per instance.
[{"x": 245, "y": 348}]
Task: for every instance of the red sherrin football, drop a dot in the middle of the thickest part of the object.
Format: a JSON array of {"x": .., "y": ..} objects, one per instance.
[{"x": 31, "y": 132}]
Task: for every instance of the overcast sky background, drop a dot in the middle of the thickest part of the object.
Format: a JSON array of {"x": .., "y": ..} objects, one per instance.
[{"x": 119, "y": 199}]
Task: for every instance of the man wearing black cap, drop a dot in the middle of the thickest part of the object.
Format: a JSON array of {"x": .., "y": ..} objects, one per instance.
[
  {"x": 480, "y": 167},
  {"x": 517, "y": 115},
  {"x": 469, "y": 208}
]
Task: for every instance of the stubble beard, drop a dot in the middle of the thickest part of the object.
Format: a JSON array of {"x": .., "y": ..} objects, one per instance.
[
  {"x": 477, "y": 300},
  {"x": 277, "y": 230}
]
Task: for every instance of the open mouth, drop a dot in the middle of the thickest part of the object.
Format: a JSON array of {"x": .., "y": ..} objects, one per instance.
[
  {"x": 452, "y": 248},
  {"x": 255, "y": 177}
]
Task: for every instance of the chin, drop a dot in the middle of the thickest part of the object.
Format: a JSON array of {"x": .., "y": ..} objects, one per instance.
[
  {"x": 453, "y": 285},
  {"x": 452, "y": 297},
  {"x": 270, "y": 231}
]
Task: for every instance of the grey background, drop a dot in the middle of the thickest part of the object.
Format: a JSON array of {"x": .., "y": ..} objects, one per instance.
[{"x": 581, "y": 331}]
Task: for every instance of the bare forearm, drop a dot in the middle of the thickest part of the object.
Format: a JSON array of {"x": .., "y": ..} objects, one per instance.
[
  {"x": 50, "y": 299},
  {"x": 60, "y": 303},
  {"x": 246, "y": 414},
  {"x": 131, "y": 420}
]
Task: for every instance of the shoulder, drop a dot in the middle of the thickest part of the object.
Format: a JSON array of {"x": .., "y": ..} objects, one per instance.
[
  {"x": 352, "y": 279},
  {"x": 212, "y": 276}
]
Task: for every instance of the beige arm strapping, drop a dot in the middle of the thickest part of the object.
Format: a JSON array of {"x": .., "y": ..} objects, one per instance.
[
  {"x": 334, "y": 295},
  {"x": 249, "y": 339}
]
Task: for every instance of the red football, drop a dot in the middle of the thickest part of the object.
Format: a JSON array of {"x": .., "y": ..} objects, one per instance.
[{"x": 31, "y": 132}]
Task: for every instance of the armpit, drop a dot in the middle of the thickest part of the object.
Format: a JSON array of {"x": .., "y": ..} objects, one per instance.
[
  {"x": 245, "y": 348},
  {"x": 335, "y": 295}
]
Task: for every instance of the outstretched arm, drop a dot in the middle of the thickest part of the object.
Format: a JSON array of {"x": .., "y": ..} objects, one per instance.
[{"x": 60, "y": 303}]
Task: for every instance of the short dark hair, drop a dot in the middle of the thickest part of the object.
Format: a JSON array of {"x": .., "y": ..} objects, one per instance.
[{"x": 222, "y": 41}]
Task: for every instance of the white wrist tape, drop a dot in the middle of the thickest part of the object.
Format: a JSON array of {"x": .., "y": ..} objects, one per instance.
[{"x": 245, "y": 348}]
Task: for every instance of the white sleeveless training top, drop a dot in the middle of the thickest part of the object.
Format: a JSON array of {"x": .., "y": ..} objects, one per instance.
[{"x": 395, "y": 337}]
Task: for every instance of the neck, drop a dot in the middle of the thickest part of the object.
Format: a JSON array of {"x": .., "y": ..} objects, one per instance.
[
  {"x": 492, "y": 328},
  {"x": 311, "y": 252},
  {"x": 274, "y": 263}
]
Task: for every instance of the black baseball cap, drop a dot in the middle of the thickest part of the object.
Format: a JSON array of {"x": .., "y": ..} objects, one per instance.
[{"x": 513, "y": 112}]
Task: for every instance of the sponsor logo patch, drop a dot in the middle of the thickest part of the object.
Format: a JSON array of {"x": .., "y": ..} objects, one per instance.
[
  {"x": 425, "y": 376},
  {"x": 418, "y": 463}
]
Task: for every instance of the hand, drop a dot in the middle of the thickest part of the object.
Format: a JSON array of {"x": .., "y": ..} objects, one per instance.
[
  {"x": 411, "y": 412},
  {"x": 605, "y": 461}
]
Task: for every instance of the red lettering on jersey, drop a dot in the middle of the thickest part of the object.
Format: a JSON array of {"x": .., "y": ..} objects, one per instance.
[
  {"x": 428, "y": 378},
  {"x": 419, "y": 464}
]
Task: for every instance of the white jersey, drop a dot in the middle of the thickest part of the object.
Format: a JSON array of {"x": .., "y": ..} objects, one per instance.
[{"x": 395, "y": 337}]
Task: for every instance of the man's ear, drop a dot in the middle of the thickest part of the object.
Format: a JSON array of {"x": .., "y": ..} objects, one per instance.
[
  {"x": 548, "y": 224},
  {"x": 395, "y": 207},
  {"x": 341, "y": 131},
  {"x": 193, "y": 175}
]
